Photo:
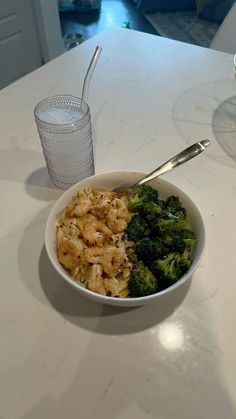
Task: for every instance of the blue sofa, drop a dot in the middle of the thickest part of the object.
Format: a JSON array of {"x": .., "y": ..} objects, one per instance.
[
  {"x": 149, "y": 6},
  {"x": 215, "y": 12}
]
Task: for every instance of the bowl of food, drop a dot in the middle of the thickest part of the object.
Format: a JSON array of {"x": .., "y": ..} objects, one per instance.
[{"x": 124, "y": 247}]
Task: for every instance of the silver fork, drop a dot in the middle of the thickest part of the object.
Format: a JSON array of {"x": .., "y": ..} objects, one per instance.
[{"x": 182, "y": 157}]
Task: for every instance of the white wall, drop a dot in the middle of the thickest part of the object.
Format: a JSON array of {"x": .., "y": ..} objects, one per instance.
[
  {"x": 225, "y": 38},
  {"x": 49, "y": 28}
]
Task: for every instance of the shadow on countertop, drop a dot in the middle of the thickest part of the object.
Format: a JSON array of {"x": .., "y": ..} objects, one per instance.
[
  {"x": 112, "y": 320},
  {"x": 210, "y": 106},
  {"x": 19, "y": 165},
  {"x": 149, "y": 376},
  {"x": 47, "y": 286},
  {"x": 224, "y": 126}
]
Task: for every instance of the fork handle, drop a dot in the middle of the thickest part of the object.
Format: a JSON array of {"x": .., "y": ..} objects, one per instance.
[{"x": 185, "y": 155}]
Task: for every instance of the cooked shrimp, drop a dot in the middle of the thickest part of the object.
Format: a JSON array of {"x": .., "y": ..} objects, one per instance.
[
  {"x": 71, "y": 229},
  {"x": 93, "y": 254},
  {"x": 112, "y": 260},
  {"x": 101, "y": 203},
  {"x": 112, "y": 285},
  {"x": 68, "y": 220},
  {"x": 115, "y": 223},
  {"x": 115, "y": 286},
  {"x": 86, "y": 219},
  {"x": 103, "y": 193},
  {"x": 96, "y": 233},
  {"x": 101, "y": 208},
  {"x": 95, "y": 281},
  {"x": 81, "y": 272},
  {"x": 116, "y": 238},
  {"x": 68, "y": 251},
  {"x": 121, "y": 208},
  {"x": 79, "y": 207},
  {"x": 118, "y": 216},
  {"x": 91, "y": 243}
]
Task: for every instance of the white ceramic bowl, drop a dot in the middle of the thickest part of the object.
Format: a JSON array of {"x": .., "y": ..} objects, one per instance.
[{"x": 111, "y": 180}]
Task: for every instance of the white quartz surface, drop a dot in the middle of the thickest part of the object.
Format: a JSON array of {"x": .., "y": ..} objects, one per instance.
[{"x": 63, "y": 356}]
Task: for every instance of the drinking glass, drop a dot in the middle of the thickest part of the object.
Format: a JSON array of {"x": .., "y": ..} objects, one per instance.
[{"x": 64, "y": 127}]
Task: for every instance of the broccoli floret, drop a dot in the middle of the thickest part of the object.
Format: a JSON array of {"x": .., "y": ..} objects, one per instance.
[
  {"x": 185, "y": 240},
  {"x": 167, "y": 239},
  {"x": 142, "y": 282},
  {"x": 137, "y": 228},
  {"x": 184, "y": 262},
  {"x": 151, "y": 212},
  {"x": 173, "y": 209},
  {"x": 150, "y": 249},
  {"x": 173, "y": 218},
  {"x": 172, "y": 267},
  {"x": 173, "y": 204},
  {"x": 142, "y": 194},
  {"x": 132, "y": 256},
  {"x": 170, "y": 225}
]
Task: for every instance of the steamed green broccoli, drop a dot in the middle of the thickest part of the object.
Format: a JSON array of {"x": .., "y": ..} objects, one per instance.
[
  {"x": 150, "y": 249},
  {"x": 137, "y": 228},
  {"x": 142, "y": 282},
  {"x": 185, "y": 240},
  {"x": 133, "y": 258},
  {"x": 171, "y": 218},
  {"x": 171, "y": 267},
  {"x": 152, "y": 211},
  {"x": 174, "y": 205},
  {"x": 163, "y": 241},
  {"x": 142, "y": 194},
  {"x": 171, "y": 224}
]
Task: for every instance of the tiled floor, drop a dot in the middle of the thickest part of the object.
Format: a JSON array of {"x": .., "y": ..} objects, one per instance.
[{"x": 112, "y": 13}]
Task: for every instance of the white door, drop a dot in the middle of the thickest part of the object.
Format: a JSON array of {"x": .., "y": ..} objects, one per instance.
[{"x": 20, "y": 50}]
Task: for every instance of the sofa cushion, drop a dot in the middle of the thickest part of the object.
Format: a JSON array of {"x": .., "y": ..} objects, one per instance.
[
  {"x": 216, "y": 12},
  {"x": 166, "y": 5},
  {"x": 200, "y": 4}
]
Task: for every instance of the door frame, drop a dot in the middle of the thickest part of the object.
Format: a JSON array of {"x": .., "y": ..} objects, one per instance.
[{"x": 49, "y": 28}]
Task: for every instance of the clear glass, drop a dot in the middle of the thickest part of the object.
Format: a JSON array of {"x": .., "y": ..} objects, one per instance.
[{"x": 64, "y": 127}]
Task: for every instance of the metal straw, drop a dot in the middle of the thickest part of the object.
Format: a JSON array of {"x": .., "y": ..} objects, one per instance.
[{"x": 90, "y": 71}]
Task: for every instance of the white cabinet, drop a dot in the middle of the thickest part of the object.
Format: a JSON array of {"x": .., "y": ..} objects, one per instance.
[{"x": 29, "y": 36}]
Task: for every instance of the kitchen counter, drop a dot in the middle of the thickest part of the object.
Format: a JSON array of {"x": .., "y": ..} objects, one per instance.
[{"x": 64, "y": 356}]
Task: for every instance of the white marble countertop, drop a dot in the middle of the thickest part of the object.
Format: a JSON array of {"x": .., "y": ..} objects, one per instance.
[{"x": 63, "y": 356}]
